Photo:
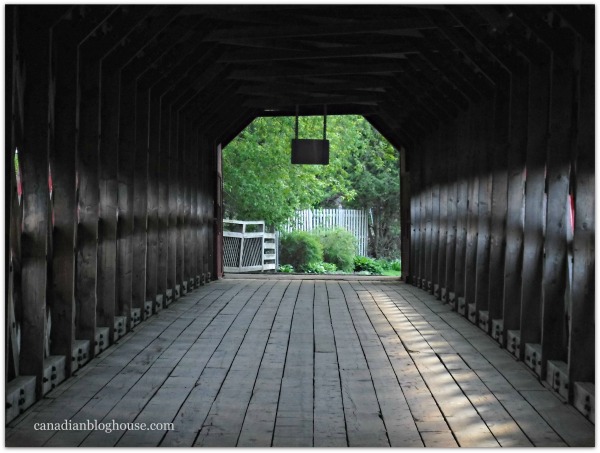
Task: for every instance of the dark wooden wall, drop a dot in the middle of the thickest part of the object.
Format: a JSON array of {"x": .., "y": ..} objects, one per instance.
[
  {"x": 502, "y": 210},
  {"x": 128, "y": 217}
]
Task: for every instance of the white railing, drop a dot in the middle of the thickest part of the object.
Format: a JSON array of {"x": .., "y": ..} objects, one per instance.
[
  {"x": 354, "y": 220},
  {"x": 247, "y": 247}
]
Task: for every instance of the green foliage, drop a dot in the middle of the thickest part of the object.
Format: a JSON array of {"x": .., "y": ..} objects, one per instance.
[
  {"x": 259, "y": 180},
  {"x": 320, "y": 268},
  {"x": 300, "y": 249},
  {"x": 390, "y": 265},
  {"x": 366, "y": 264},
  {"x": 330, "y": 267},
  {"x": 286, "y": 268},
  {"x": 260, "y": 183},
  {"x": 338, "y": 247},
  {"x": 314, "y": 268}
]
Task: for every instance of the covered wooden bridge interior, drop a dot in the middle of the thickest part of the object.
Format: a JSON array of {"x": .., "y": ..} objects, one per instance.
[{"x": 116, "y": 117}]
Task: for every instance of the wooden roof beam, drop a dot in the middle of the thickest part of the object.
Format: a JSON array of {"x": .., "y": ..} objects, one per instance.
[
  {"x": 389, "y": 49},
  {"x": 395, "y": 26},
  {"x": 283, "y": 72}
]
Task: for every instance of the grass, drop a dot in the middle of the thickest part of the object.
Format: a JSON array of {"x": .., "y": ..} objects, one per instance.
[{"x": 391, "y": 273}]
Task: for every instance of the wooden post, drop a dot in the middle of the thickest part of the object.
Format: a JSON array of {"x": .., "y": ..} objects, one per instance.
[
  {"x": 125, "y": 225},
  {"x": 162, "y": 282},
  {"x": 187, "y": 197},
  {"x": 107, "y": 226},
  {"x": 461, "y": 206},
  {"x": 442, "y": 176},
  {"x": 154, "y": 171},
  {"x": 207, "y": 205},
  {"x": 195, "y": 208},
  {"x": 172, "y": 212},
  {"x": 428, "y": 205},
  {"x": 554, "y": 313},
  {"x": 140, "y": 196},
  {"x": 217, "y": 232},
  {"x": 472, "y": 150},
  {"x": 88, "y": 195},
  {"x": 435, "y": 211},
  {"x": 533, "y": 239},
  {"x": 34, "y": 56},
  {"x": 64, "y": 46},
  {"x": 415, "y": 197},
  {"x": 482, "y": 273},
  {"x": 13, "y": 117},
  {"x": 180, "y": 273},
  {"x": 499, "y": 203},
  {"x": 581, "y": 344},
  {"x": 513, "y": 261},
  {"x": 452, "y": 178},
  {"x": 405, "y": 216}
]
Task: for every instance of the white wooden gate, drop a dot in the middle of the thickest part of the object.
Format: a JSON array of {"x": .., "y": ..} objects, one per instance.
[{"x": 247, "y": 248}]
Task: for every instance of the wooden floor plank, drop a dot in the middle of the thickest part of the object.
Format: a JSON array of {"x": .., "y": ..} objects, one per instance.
[
  {"x": 297, "y": 362},
  {"x": 294, "y": 422}
]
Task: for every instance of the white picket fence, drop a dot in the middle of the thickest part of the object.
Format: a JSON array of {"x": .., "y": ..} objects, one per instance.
[{"x": 354, "y": 220}]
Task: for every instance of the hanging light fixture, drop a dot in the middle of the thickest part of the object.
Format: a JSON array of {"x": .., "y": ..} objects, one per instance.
[{"x": 311, "y": 151}]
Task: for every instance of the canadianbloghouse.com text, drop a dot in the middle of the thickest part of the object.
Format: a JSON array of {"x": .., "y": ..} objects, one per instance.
[{"x": 107, "y": 427}]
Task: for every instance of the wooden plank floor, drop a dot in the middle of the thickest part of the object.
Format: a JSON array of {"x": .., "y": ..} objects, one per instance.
[{"x": 278, "y": 362}]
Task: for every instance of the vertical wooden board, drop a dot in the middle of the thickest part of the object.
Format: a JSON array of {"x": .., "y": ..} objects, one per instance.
[
  {"x": 33, "y": 158},
  {"x": 582, "y": 351},
  {"x": 484, "y": 208},
  {"x": 415, "y": 236},
  {"x": 181, "y": 187},
  {"x": 187, "y": 204},
  {"x": 428, "y": 208},
  {"x": 461, "y": 205},
  {"x": 194, "y": 184},
  {"x": 88, "y": 199},
  {"x": 554, "y": 339},
  {"x": 513, "y": 261},
  {"x": 499, "y": 204},
  {"x": 163, "y": 201},
  {"x": 172, "y": 210},
  {"x": 63, "y": 179},
  {"x": 108, "y": 165},
  {"x": 154, "y": 171},
  {"x": 421, "y": 217},
  {"x": 405, "y": 217},
  {"x": 443, "y": 209},
  {"x": 207, "y": 206},
  {"x": 125, "y": 223},
  {"x": 452, "y": 178},
  {"x": 537, "y": 136},
  {"x": 140, "y": 198},
  {"x": 473, "y": 150},
  {"x": 13, "y": 256},
  {"x": 435, "y": 210},
  {"x": 217, "y": 230},
  {"x": 201, "y": 203}
]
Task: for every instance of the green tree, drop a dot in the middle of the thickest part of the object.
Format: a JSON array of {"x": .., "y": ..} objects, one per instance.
[
  {"x": 260, "y": 183},
  {"x": 374, "y": 172}
]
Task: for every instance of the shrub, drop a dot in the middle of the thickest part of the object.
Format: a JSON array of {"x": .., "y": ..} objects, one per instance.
[
  {"x": 320, "y": 268},
  {"x": 286, "y": 268},
  {"x": 299, "y": 249},
  {"x": 314, "y": 268},
  {"x": 338, "y": 247},
  {"x": 329, "y": 267},
  {"x": 365, "y": 264}
]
